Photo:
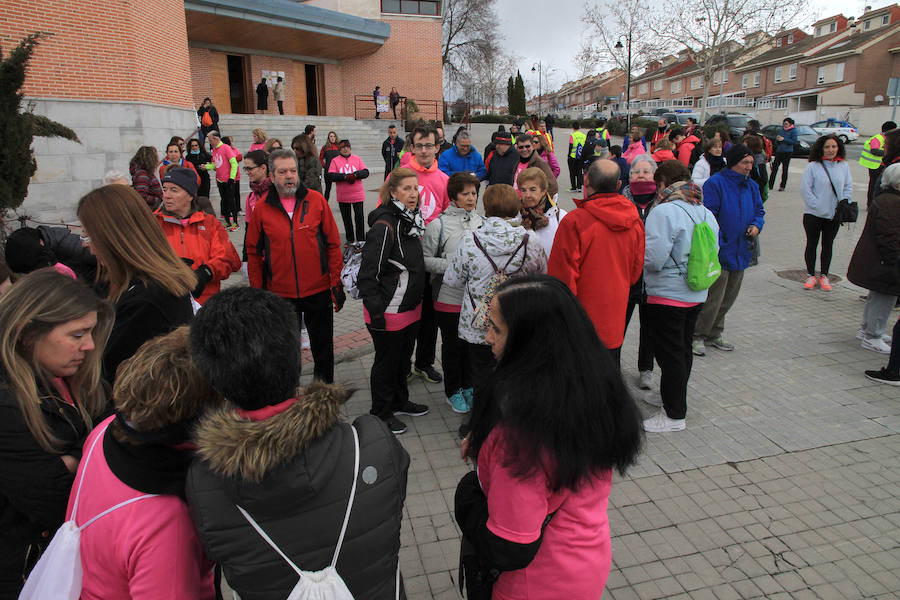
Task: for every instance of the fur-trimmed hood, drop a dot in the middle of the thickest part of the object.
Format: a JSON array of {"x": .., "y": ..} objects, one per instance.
[{"x": 235, "y": 447}]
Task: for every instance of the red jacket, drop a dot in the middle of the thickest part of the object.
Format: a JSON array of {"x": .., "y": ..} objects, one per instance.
[
  {"x": 294, "y": 257},
  {"x": 686, "y": 148},
  {"x": 658, "y": 135},
  {"x": 661, "y": 156},
  {"x": 204, "y": 241},
  {"x": 598, "y": 252}
]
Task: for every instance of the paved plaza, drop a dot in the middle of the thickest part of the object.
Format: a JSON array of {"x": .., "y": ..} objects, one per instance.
[{"x": 785, "y": 483}]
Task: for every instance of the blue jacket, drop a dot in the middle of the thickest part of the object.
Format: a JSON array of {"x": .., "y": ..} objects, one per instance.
[
  {"x": 735, "y": 201},
  {"x": 451, "y": 162},
  {"x": 790, "y": 138}
]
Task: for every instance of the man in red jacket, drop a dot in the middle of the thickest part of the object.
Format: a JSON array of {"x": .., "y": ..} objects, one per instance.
[
  {"x": 598, "y": 252},
  {"x": 293, "y": 250}
]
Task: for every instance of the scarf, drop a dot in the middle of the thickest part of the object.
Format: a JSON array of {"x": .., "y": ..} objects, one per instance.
[
  {"x": 261, "y": 187},
  {"x": 149, "y": 468},
  {"x": 639, "y": 188},
  {"x": 533, "y": 217},
  {"x": 682, "y": 190},
  {"x": 413, "y": 218}
]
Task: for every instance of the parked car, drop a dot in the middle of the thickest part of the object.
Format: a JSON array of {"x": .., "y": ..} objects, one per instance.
[
  {"x": 735, "y": 122},
  {"x": 680, "y": 117},
  {"x": 806, "y": 137},
  {"x": 845, "y": 130}
]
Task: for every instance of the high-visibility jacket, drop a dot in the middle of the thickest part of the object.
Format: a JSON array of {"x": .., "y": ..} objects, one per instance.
[
  {"x": 576, "y": 141},
  {"x": 868, "y": 158}
]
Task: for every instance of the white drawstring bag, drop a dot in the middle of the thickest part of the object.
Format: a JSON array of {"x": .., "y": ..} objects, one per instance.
[
  {"x": 58, "y": 573},
  {"x": 327, "y": 583}
]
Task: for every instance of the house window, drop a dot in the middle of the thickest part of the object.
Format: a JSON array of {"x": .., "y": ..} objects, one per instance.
[
  {"x": 632, "y": 90},
  {"x": 676, "y": 87},
  {"x": 792, "y": 72},
  {"x": 820, "y": 75},
  {"x": 885, "y": 19},
  {"x": 756, "y": 79},
  {"x": 412, "y": 7},
  {"x": 833, "y": 27},
  {"x": 778, "y": 42},
  {"x": 696, "y": 82},
  {"x": 790, "y": 38},
  {"x": 642, "y": 89},
  {"x": 764, "y": 104},
  {"x": 744, "y": 81},
  {"x": 868, "y": 24},
  {"x": 820, "y": 30},
  {"x": 717, "y": 77},
  {"x": 778, "y": 71},
  {"x": 839, "y": 72},
  {"x": 781, "y": 103}
]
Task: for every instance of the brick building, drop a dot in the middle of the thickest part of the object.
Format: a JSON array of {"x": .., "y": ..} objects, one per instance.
[{"x": 132, "y": 72}]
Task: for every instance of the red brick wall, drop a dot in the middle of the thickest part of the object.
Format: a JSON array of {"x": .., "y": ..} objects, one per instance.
[
  {"x": 121, "y": 50},
  {"x": 201, "y": 74},
  {"x": 257, "y": 64},
  {"x": 410, "y": 60}
]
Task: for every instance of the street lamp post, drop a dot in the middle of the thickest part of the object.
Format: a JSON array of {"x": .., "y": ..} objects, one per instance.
[
  {"x": 627, "y": 80},
  {"x": 540, "y": 71}
]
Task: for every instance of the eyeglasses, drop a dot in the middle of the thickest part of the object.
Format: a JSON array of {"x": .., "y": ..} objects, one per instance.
[
  {"x": 251, "y": 169},
  {"x": 424, "y": 146}
]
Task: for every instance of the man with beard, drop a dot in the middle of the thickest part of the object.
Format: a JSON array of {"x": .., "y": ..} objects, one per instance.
[{"x": 294, "y": 251}]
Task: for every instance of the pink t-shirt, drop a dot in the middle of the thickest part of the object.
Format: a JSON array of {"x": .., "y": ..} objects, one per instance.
[
  {"x": 348, "y": 192},
  {"x": 397, "y": 321},
  {"x": 289, "y": 203},
  {"x": 147, "y": 549},
  {"x": 222, "y": 155},
  {"x": 433, "y": 199},
  {"x": 575, "y": 554}
]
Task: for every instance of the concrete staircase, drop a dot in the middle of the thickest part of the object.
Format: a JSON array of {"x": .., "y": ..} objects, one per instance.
[{"x": 366, "y": 136}]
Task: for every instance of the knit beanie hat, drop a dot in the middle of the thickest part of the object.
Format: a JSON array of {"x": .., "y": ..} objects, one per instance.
[
  {"x": 736, "y": 154},
  {"x": 186, "y": 179}
]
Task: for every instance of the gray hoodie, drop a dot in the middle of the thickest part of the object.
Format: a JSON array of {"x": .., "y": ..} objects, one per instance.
[
  {"x": 669, "y": 230},
  {"x": 442, "y": 237}
]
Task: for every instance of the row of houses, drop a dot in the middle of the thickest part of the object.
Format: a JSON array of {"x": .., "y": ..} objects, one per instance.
[{"x": 839, "y": 69}]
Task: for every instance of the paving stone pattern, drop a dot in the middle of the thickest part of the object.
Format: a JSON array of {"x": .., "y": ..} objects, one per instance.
[{"x": 784, "y": 485}]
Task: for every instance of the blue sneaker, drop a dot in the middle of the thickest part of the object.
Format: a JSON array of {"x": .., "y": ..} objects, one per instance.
[
  {"x": 469, "y": 395},
  {"x": 458, "y": 403}
]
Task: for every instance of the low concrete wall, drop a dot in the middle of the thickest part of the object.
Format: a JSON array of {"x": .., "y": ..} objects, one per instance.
[{"x": 110, "y": 133}]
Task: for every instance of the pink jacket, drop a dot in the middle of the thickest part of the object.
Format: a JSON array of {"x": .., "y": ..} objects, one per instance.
[
  {"x": 633, "y": 150},
  {"x": 225, "y": 158},
  {"x": 433, "y": 199},
  {"x": 551, "y": 160},
  {"x": 348, "y": 192},
  {"x": 147, "y": 550}
]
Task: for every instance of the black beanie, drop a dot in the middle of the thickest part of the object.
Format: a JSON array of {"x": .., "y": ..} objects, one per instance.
[
  {"x": 736, "y": 154},
  {"x": 186, "y": 179},
  {"x": 25, "y": 252}
]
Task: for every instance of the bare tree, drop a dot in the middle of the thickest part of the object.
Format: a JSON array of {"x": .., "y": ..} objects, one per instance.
[
  {"x": 470, "y": 35},
  {"x": 616, "y": 21},
  {"x": 586, "y": 60},
  {"x": 490, "y": 75},
  {"x": 710, "y": 29}
]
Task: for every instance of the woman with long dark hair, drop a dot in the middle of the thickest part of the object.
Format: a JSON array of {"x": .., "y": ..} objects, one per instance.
[
  {"x": 826, "y": 181},
  {"x": 310, "y": 167},
  {"x": 329, "y": 150},
  {"x": 52, "y": 333},
  {"x": 199, "y": 157},
  {"x": 143, "y": 175},
  {"x": 148, "y": 283},
  {"x": 546, "y": 434}
]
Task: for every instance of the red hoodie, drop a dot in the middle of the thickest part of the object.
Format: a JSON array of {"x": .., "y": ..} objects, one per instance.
[
  {"x": 598, "y": 252},
  {"x": 685, "y": 148},
  {"x": 661, "y": 156},
  {"x": 433, "y": 199}
]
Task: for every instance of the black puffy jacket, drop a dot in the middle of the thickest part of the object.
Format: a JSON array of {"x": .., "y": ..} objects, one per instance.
[
  {"x": 392, "y": 275},
  {"x": 292, "y": 473}
]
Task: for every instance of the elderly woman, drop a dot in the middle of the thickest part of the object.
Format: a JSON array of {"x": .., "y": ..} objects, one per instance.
[
  {"x": 198, "y": 238},
  {"x": 826, "y": 181},
  {"x": 672, "y": 306},
  {"x": 442, "y": 237},
  {"x": 391, "y": 281},
  {"x": 540, "y": 214},
  {"x": 709, "y": 163},
  {"x": 141, "y": 456},
  {"x": 148, "y": 283},
  {"x": 641, "y": 190},
  {"x": 53, "y": 330},
  {"x": 874, "y": 261}
]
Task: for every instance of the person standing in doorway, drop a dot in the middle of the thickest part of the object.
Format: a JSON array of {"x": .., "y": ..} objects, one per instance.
[
  {"x": 786, "y": 138},
  {"x": 376, "y": 93},
  {"x": 278, "y": 93},
  {"x": 390, "y": 149},
  {"x": 262, "y": 96}
]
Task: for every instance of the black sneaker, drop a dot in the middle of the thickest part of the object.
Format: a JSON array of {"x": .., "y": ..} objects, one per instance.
[
  {"x": 884, "y": 376},
  {"x": 428, "y": 374},
  {"x": 412, "y": 409},
  {"x": 396, "y": 425}
]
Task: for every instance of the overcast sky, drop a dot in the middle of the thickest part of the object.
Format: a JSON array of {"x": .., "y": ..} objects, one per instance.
[{"x": 555, "y": 31}]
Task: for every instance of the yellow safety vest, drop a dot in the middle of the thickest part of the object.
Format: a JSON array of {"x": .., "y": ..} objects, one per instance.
[
  {"x": 867, "y": 159},
  {"x": 578, "y": 138}
]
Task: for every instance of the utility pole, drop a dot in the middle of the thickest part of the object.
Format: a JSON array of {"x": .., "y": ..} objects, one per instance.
[{"x": 618, "y": 46}]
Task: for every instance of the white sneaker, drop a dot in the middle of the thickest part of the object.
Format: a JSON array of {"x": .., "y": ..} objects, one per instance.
[
  {"x": 653, "y": 399},
  {"x": 861, "y": 335},
  {"x": 661, "y": 423},
  {"x": 645, "y": 378},
  {"x": 876, "y": 345}
]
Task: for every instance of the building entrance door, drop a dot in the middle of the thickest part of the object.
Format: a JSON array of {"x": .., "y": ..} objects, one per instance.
[
  {"x": 237, "y": 84},
  {"x": 312, "y": 89}
]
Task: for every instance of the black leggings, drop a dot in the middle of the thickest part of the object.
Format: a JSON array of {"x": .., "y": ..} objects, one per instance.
[
  {"x": 348, "y": 221},
  {"x": 814, "y": 226},
  {"x": 783, "y": 159},
  {"x": 229, "y": 202}
]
